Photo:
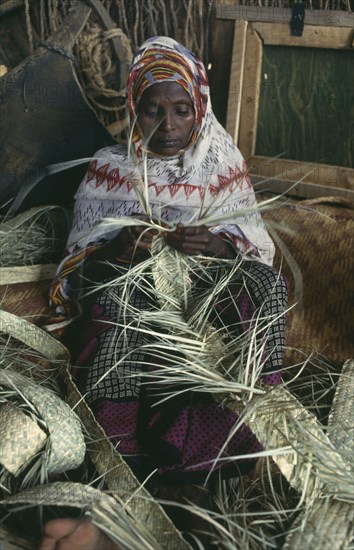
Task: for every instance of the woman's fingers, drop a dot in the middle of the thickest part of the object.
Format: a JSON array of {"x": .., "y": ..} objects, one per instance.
[
  {"x": 72, "y": 534},
  {"x": 56, "y": 530},
  {"x": 141, "y": 236},
  {"x": 190, "y": 240}
]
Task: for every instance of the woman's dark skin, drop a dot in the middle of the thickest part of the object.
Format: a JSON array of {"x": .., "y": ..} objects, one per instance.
[{"x": 166, "y": 120}]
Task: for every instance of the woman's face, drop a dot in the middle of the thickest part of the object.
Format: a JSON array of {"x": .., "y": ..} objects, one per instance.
[{"x": 166, "y": 118}]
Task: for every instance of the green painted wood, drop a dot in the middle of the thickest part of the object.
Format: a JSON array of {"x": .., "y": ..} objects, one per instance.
[{"x": 306, "y": 105}]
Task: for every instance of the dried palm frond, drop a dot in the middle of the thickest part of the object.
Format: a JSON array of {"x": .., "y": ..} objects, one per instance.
[
  {"x": 42, "y": 434},
  {"x": 250, "y": 515},
  {"x": 35, "y": 236},
  {"x": 308, "y": 459},
  {"x": 328, "y": 524},
  {"x": 53, "y": 424},
  {"x": 340, "y": 422}
]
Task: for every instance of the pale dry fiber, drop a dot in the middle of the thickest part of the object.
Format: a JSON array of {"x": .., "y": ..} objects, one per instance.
[
  {"x": 67, "y": 446},
  {"x": 304, "y": 453},
  {"x": 340, "y": 422},
  {"x": 329, "y": 523},
  {"x": 33, "y": 237},
  {"x": 21, "y": 438}
]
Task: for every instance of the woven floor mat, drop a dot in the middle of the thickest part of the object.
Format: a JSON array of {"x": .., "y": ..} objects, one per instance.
[{"x": 314, "y": 242}]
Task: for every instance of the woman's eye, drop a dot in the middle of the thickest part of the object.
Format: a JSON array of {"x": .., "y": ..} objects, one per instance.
[
  {"x": 151, "y": 114},
  {"x": 183, "y": 112}
]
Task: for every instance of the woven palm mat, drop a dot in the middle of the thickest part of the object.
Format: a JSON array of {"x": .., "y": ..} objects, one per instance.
[{"x": 314, "y": 240}]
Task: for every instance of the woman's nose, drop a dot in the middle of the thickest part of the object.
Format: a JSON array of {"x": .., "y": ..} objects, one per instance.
[{"x": 167, "y": 122}]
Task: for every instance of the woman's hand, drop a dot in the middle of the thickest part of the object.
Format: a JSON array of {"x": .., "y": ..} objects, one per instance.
[
  {"x": 198, "y": 240},
  {"x": 74, "y": 534},
  {"x": 139, "y": 236}
]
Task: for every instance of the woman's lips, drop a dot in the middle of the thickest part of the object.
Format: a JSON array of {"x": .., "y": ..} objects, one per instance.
[{"x": 167, "y": 142}]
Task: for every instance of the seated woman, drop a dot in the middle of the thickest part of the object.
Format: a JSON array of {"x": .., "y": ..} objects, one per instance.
[{"x": 186, "y": 163}]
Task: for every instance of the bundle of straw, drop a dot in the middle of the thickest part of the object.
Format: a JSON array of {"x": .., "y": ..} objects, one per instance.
[{"x": 33, "y": 237}]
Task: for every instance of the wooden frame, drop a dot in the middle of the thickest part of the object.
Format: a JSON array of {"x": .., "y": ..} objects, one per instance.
[{"x": 242, "y": 112}]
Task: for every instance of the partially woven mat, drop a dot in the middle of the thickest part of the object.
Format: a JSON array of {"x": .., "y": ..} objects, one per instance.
[{"x": 318, "y": 261}]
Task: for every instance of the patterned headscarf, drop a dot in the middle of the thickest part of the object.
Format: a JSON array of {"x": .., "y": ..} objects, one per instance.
[{"x": 165, "y": 60}]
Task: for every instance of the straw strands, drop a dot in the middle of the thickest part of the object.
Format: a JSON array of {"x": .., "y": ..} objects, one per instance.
[
  {"x": 35, "y": 236},
  {"x": 303, "y": 452},
  {"x": 67, "y": 447}
]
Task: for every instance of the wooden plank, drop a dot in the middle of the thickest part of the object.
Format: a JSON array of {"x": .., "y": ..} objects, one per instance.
[
  {"x": 323, "y": 175},
  {"x": 327, "y": 18},
  {"x": 279, "y": 34},
  {"x": 236, "y": 80},
  {"x": 250, "y": 94},
  {"x": 301, "y": 189}
]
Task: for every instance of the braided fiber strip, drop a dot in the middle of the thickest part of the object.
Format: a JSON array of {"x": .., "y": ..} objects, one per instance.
[
  {"x": 310, "y": 462},
  {"x": 340, "y": 421},
  {"x": 20, "y": 438},
  {"x": 67, "y": 445},
  {"x": 119, "y": 477},
  {"x": 59, "y": 493},
  {"x": 328, "y": 525},
  {"x": 33, "y": 337}
]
